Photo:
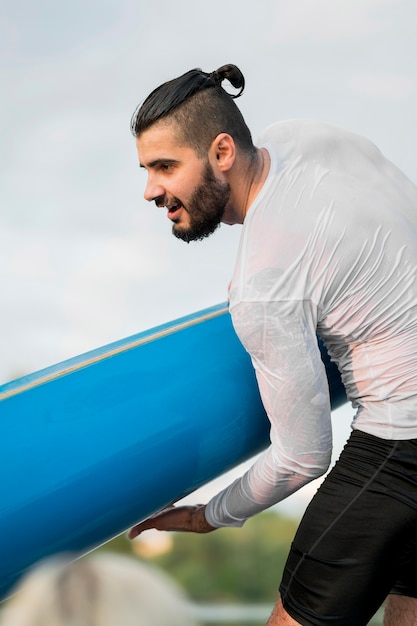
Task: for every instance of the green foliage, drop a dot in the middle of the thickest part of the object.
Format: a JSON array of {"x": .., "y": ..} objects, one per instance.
[
  {"x": 120, "y": 544},
  {"x": 230, "y": 564}
]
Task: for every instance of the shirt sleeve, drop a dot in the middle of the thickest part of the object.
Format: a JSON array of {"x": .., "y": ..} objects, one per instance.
[{"x": 281, "y": 340}]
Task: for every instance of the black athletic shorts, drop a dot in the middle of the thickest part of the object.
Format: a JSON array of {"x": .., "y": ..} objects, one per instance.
[{"x": 357, "y": 541}]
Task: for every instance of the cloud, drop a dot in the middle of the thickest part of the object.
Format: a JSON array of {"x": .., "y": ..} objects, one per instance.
[
  {"x": 106, "y": 271},
  {"x": 379, "y": 85},
  {"x": 80, "y": 172},
  {"x": 327, "y": 20}
]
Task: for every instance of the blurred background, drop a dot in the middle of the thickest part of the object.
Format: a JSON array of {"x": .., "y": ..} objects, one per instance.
[{"x": 84, "y": 259}]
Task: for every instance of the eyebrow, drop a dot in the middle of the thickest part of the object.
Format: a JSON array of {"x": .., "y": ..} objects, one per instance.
[{"x": 157, "y": 162}]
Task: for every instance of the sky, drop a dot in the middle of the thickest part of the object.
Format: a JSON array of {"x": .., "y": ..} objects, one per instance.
[{"x": 85, "y": 260}]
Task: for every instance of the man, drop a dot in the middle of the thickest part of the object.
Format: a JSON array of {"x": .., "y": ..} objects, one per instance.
[{"x": 328, "y": 246}]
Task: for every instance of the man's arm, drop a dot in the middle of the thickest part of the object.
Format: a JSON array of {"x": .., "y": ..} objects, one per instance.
[
  {"x": 293, "y": 384},
  {"x": 281, "y": 339}
]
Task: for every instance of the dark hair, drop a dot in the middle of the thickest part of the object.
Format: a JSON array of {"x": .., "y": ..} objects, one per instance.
[{"x": 198, "y": 106}]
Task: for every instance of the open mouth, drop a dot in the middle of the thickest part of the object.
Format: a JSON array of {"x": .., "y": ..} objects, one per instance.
[{"x": 173, "y": 210}]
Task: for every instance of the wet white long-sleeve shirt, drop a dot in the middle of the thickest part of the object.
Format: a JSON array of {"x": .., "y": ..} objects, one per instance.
[{"x": 328, "y": 247}]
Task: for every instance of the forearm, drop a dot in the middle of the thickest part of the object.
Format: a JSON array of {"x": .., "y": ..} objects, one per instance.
[{"x": 262, "y": 486}]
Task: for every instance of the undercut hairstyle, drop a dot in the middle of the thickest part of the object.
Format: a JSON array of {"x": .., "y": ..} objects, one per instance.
[{"x": 198, "y": 108}]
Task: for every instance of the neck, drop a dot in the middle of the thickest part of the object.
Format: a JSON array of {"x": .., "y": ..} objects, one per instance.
[
  {"x": 256, "y": 177},
  {"x": 248, "y": 179}
]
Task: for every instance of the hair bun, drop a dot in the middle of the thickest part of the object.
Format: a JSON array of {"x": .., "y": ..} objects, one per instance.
[{"x": 231, "y": 73}]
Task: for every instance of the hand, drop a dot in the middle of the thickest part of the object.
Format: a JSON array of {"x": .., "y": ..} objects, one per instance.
[{"x": 181, "y": 518}]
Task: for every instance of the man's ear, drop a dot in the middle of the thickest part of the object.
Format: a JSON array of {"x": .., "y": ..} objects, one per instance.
[{"x": 223, "y": 152}]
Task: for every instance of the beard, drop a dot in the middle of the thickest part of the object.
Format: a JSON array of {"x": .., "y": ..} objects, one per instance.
[{"x": 205, "y": 208}]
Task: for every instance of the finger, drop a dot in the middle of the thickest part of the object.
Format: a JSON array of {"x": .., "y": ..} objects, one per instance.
[
  {"x": 136, "y": 531},
  {"x": 152, "y": 522}
]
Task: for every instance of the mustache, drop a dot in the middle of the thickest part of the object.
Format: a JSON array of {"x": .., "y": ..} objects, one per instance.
[{"x": 162, "y": 201}]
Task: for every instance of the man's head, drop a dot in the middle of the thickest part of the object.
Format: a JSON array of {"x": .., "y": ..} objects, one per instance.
[
  {"x": 198, "y": 108},
  {"x": 188, "y": 132}
]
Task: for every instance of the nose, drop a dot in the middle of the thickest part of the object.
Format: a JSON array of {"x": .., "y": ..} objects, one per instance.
[{"x": 153, "y": 189}]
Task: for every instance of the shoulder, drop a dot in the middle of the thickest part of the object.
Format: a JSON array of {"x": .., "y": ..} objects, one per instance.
[
  {"x": 312, "y": 132},
  {"x": 318, "y": 142}
]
